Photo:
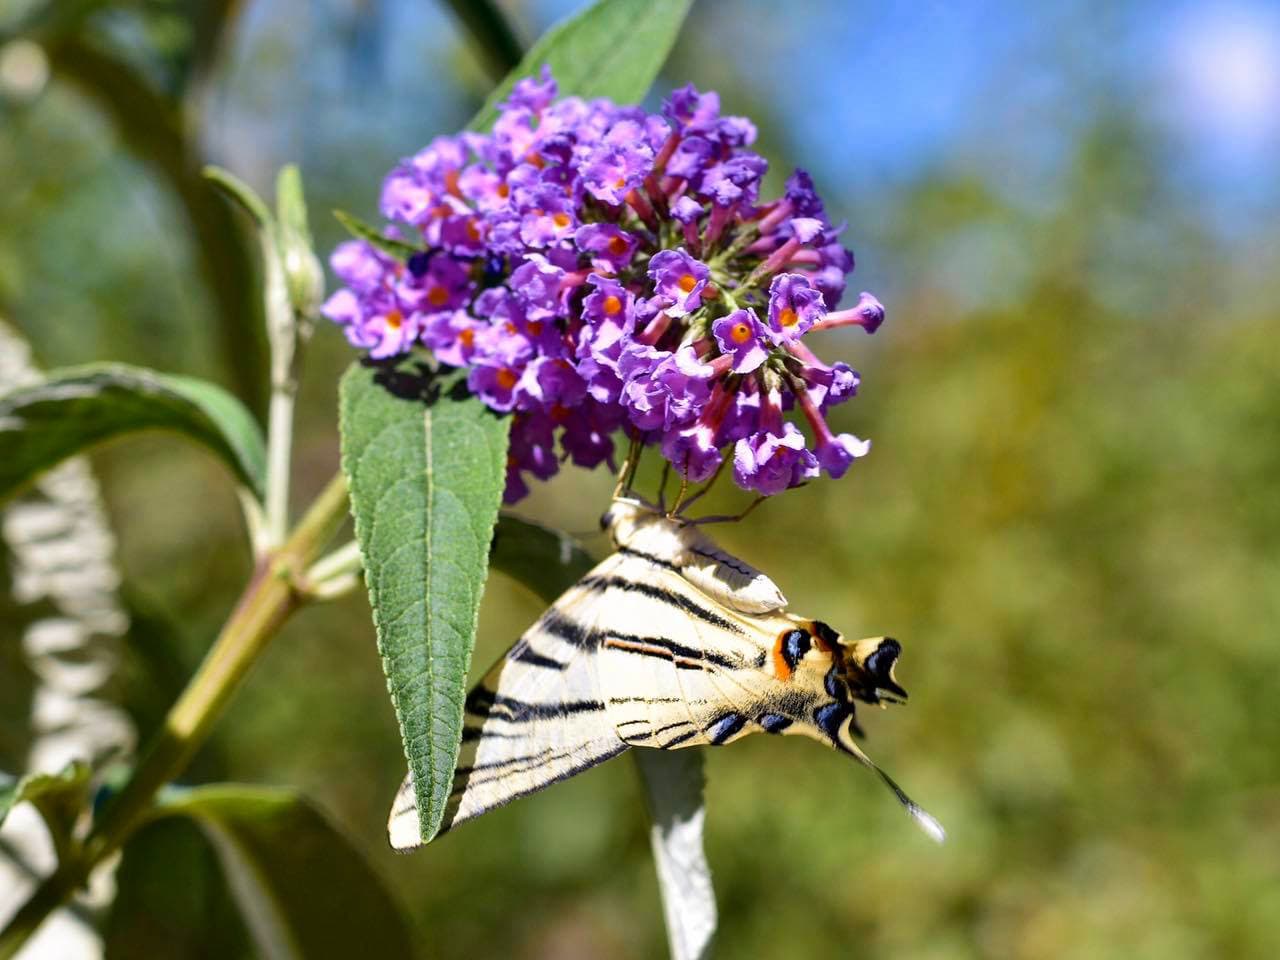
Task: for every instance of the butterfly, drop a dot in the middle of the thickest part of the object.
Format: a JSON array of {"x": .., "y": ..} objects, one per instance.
[{"x": 669, "y": 642}]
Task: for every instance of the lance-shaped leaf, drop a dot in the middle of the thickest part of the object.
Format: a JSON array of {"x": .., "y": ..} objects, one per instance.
[
  {"x": 396, "y": 249},
  {"x": 302, "y": 889},
  {"x": 614, "y": 48},
  {"x": 426, "y": 471},
  {"x": 77, "y": 408}
]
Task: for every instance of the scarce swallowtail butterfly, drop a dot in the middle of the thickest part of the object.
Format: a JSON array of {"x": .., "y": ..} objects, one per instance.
[{"x": 669, "y": 642}]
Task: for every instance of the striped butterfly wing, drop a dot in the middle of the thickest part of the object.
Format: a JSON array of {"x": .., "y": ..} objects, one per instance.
[
  {"x": 537, "y": 717},
  {"x": 699, "y": 673},
  {"x": 675, "y": 666}
]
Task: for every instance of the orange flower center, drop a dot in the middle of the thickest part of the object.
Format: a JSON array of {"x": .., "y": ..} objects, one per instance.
[
  {"x": 788, "y": 317},
  {"x": 504, "y": 190},
  {"x": 740, "y": 333},
  {"x": 451, "y": 183},
  {"x": 473, "y": 230},
  {"x": 619, "y": 183},
  {"x": 467, "y": 337},
  {"x": 535, "y": 327},
  {"x": 506, "y": 379},
  {"x": 437, "y": 296},
  {"x": 561, "y": 220},
  {"x": 688, "y": 282},
  {"x": 612, "y": 305},
  {"x": 617, "y": 246},
  {"x": 394, "y": 319}
]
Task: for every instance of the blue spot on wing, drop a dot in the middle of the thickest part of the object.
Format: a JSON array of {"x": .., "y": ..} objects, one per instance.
[
  {"x": 725, "y": 727},
  {"x": 774, "y": 722}
]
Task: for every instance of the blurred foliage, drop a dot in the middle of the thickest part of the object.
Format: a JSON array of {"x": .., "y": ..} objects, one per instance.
[{"x": 1069, "y": 519}]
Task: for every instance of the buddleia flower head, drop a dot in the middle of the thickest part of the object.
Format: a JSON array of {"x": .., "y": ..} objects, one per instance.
[{"x": 598, "y": 268}]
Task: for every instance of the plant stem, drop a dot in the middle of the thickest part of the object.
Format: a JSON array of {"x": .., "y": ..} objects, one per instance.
[
  {"x": 267, "y": 601},
  {"x": 279, "y": 451}
]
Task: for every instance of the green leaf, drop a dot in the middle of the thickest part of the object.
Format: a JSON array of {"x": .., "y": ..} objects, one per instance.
[
  {"x": 302, "y": 888},
  {"x": 291, "y": 205},
  {"x": 546, "y": 561},
  {"x": 426, "y": 468},
  {"x": 243, "y": 194},
  {"x": 76, "y": 408},
  {"x": 172, "y": 901},
  {"x": 614, "y": 48},
  {"x": 303, "y": 274},
  {"x": 60, "y": 798},
  {"x": 363, "y": 231}
]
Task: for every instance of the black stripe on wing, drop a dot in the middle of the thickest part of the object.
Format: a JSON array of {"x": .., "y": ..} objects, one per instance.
[
  {"x": 486, "y": 704},
  {"x": 572, "y": 771},
  {"x": 685, "y": 658},
  {"x": 671, "y": 598},
  {"x": 523, "y": 652},
  {"x": 555, "y": 623},
  {"x": 641, "y": 555}
]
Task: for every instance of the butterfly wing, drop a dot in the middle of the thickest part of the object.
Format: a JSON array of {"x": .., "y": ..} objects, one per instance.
[
  {"x": 693, "y": 672},
  {"x": 536, "y": 717}
]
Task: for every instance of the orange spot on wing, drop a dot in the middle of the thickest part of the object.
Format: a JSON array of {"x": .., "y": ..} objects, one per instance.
[{"x": 780, "y": 666}]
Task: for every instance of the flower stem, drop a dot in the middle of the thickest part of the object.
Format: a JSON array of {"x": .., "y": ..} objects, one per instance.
[
  {"x": 279, "y": 453},
  {"x": 267, "y": 601}
]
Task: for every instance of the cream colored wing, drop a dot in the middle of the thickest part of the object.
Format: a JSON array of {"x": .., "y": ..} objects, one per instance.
[
  {"x": 683, "y": 548},
  {"x": 683, "y": 670},
  {"x": 535, "y": 718}
]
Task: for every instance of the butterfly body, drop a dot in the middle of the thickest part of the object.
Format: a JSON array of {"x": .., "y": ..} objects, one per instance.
[{"x": 667, "y": 643}]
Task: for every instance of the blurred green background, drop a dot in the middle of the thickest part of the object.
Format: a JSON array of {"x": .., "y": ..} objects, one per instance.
[{"x": 1070, "y": 517}]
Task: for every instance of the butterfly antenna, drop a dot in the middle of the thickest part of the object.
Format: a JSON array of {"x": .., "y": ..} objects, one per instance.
[
  {"x": 679, "y": 504},
  {"x": 706, "y": 487},
  {"x": 662, "y": 485},
  {"x": 629, "y": 466},
  {"x": 730, "y": 518}
]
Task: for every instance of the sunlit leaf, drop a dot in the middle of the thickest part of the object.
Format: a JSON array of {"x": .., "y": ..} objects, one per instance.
[
  {"x": 614, "y": 48},
  {"x": 426, "y": 471}
]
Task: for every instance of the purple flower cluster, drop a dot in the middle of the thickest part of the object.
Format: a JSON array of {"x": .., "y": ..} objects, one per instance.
[{"x": 595, "y": 268}]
